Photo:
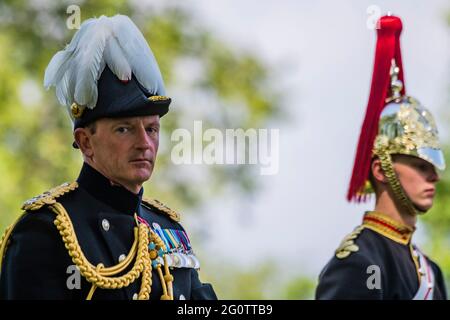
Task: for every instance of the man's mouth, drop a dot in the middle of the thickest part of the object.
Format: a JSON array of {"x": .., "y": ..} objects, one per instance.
[
  {"x": 430, "y": 192},
  {"x": 142, "y": 161}
]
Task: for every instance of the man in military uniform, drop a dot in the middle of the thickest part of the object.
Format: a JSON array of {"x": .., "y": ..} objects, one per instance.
[
  {"x": 397, "y": 158},
  {"x": 101, "y": 228}
]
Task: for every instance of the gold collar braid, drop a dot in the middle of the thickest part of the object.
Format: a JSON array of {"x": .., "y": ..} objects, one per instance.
[{"x": 388, "y": 227}]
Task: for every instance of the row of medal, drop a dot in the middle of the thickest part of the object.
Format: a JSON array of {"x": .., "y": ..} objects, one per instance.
[{"x": 179, "y": 250}]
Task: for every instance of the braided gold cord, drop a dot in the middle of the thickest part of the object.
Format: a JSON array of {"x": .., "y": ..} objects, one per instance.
[
  {"x": 96, "y": 275},
  {"x": 4, "y": 242},
  {"x": 99, "y": 267},
  {"x": 146, "y": 282},
  {"x": 91, "y": 292},
  {"x": 100, "y": 276},
  {"x": 164, "y": 296},
  {"x": 399, "y": 193},
  {"x": 6, "y": 234},
  {"x": 5, "y": 239},
  {"x": 167, "y": 279},
  {"x": 125, "y": 263}
]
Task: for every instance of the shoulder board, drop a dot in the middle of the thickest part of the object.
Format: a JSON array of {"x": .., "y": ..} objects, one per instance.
[
  {"x": 159, "y": 206},
  {"x": 348, "y": 245},
  {"x": 49, "y": 197}
]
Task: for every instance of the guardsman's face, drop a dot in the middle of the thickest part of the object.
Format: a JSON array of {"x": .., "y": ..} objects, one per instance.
[
  {"x": 418, "y": 178},
  {"x": 124, "y": 149}
]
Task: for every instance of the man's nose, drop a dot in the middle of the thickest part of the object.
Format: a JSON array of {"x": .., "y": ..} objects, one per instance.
[
  {"x": 434, "y": 175},
  {"x": 143, "y": 139}
]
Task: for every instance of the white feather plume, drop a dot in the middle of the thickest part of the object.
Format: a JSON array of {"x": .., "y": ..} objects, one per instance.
[
  {"x": 87, "y": 64},
  {"x": 114, "y": 41},
  {"x": 58, "y": 65},
  {"x": 115, "y": 59},
  {"x": 138, "y": 54}
]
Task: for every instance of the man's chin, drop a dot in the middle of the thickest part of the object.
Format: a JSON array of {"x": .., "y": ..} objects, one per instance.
[
  {"x": 423, "y": 207},
  {"x": 142, "y": 174}
]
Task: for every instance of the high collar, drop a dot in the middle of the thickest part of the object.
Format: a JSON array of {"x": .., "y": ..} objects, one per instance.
[
  {"x": 101, "y": 188},
  {"x": 388, "y": 227}
]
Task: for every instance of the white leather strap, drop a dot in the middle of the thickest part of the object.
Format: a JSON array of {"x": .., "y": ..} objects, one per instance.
[{"x": 426, "y": 286}]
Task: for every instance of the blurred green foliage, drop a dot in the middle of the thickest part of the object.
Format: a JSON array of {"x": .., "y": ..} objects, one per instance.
[
  {"x": 35, "y": 132},
  {"x": 262, "y": 281}
]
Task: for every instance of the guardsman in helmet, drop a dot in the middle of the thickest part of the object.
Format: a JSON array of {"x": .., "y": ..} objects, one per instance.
[{"x": 398, "y": 159}]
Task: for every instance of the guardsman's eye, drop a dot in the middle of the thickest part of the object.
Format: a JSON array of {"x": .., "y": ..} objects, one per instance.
[{"x": 422, "y": 167}]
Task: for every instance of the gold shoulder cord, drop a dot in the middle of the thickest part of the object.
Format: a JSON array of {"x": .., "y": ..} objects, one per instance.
[{"x": 100, "y": 276}]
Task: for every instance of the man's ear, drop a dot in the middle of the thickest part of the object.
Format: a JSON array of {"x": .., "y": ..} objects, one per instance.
[
  {"x": 82, "y": 137},
  {"x": 377, "y": 171}
]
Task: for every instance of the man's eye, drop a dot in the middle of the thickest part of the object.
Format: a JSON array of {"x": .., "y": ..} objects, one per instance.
[
  {"x": 122, "y": 129},
  {"x": 153, "y": 130}
]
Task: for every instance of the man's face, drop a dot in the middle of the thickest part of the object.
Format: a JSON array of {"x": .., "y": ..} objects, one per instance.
[
  {"x": 124, "y": 149},
  {"x": 418, "y": 178}
]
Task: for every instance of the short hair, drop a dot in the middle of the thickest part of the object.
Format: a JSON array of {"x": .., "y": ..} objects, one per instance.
[
  {"x": 92, "y": 127},
  {"x": 372, "y": 180}
]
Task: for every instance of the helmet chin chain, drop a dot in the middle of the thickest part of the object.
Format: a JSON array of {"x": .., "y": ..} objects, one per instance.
[{"x": 394, "y": 183}]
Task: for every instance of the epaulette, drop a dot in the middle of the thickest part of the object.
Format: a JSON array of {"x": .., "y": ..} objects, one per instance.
[
  {"x": 348, "y": 245},
  {"x": 159, "y": 206},
  {"x": 49, "y": 197}
]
